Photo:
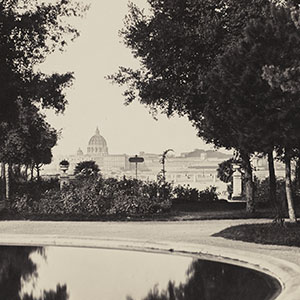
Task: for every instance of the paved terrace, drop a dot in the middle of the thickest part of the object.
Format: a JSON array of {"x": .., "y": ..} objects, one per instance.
[{"x": 186, "y": 236}]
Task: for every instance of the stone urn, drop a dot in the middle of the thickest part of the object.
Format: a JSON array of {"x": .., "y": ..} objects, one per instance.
[{"x": 64, "y": 166}]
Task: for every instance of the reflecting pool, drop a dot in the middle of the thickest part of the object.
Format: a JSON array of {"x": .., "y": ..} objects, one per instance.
[{"x": 61, "y": 273}]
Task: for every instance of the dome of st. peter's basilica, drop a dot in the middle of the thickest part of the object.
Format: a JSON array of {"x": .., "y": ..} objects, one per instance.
[{"x": 97, "y": 144}]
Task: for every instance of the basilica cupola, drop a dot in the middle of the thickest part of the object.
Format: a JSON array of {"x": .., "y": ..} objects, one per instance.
[{"x": 97, "y": 145}]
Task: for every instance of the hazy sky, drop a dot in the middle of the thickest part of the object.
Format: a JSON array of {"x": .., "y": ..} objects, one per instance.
[{"x": 94, "y": 101}]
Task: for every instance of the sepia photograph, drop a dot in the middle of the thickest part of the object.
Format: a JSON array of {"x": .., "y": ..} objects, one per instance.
[{"x": 149, "y": 149}]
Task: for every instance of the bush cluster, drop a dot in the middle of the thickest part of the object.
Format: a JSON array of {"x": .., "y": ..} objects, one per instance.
[
  {"x": 262, "y": 190},
  {"x": 186, "y": 193},
  {"x": 98, "y": 196}
]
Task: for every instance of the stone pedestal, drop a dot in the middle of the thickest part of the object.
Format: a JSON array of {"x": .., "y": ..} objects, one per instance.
[
  {"x": 237, "y": 182},
  {"x": 64, "y": 177},
  {"x": 64, "y": 180}
]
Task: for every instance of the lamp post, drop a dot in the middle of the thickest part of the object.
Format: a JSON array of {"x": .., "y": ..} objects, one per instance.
[{"x": 163, "y": 162}]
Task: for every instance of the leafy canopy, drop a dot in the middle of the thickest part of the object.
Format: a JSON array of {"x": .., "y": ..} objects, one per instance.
[
  {"x": 177, "y": 45},
  {"x": 86, "y": 169},
  {"x": 29, "y": 32}
]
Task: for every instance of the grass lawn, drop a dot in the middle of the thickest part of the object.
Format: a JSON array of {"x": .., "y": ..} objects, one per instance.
[
  {"x": 220, "y": 210},
  {"x": 181, "y": 211},
  {"x": 274, "y": 234}
]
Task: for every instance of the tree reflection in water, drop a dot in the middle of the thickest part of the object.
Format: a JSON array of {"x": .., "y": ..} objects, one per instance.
[
  {"x": 208, "y": 280},
  {"x": 16, "y": 267},
  {"x": 59, "y": 294}
]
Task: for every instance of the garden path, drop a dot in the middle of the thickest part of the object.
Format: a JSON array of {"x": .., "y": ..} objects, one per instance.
[{"x": 179, "y": 236}]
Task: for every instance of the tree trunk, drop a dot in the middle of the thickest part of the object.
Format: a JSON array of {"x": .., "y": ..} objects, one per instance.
[
  {"x": 26, "y": 172},
  {"x": 249, "y": 184},
  {"x": 31, "y": 171},
  {"x": 7, "y": 185},
  {"x": 17, "y": 171},
  {"x": 38, "y": 167},
  {"x": 273, "y": 186},
  {"x": 2, "y": 181},
  {"x": 288, "y": 188},
  {"x": 272, "y": 178},
  {"x": 297, "y": 173}
]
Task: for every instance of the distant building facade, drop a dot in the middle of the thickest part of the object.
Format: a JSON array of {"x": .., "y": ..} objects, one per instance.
[
  {"x": 196, "y": 169},
  {"x": 97, "y": 150}
]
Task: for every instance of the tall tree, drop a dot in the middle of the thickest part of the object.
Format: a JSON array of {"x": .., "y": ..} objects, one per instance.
[
  {"x": 28, "y": 142},
  {"x": 40, "y": 138},
  {"x": 29, "y": 32},
  {"x": 244, "y": 112},
  {"x": 178, "y": 46},
  {"x": 87, "y": 169},
  {"x": 286, "y": 77}
]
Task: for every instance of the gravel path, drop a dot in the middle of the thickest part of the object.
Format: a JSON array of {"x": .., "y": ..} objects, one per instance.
[
  {"x": 181, "y": 236},
  {"x": 191, "y": 236},
  {"x": 192, "y": 232}
]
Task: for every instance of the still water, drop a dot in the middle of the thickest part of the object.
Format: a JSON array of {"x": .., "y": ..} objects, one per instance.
[{"x": 61, "y": 273}]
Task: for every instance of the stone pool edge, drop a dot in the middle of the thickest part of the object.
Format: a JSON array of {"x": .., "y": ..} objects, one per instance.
[{"x": 287, "y": 273}]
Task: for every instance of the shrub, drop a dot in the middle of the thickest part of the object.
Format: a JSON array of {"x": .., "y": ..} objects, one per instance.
[
  {"x": 262, "y": 190},
  {"x": 33, "y": 189},
  {"x": 26, "y": 194},
  {"x": 157, "y": 190},
  {"x": 136, "y": 205},
  {"x": 97, "y": 196},
  {"x": 86, "y": 169},
  {"x": 225, "y": 171},
  {"x": 137, "y": 197},
  {"x": 208, "y": 195},
  {"x": 186, "y": 193}
]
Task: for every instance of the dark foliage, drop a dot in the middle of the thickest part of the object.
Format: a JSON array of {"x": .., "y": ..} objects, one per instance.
[
  {"x": 273, "y": 234},
  {"x": 86, "y": 169},
  {"x": 95, "y": 196},
  {"x": 18, "y": 267},
  {"x": 186, "y": 193},
  {"x": 225, "y": 170},
  {"x": 214, "y": 280},
  {"x": 262, "y": 190},
  {"x": 177, "y": 45}
]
